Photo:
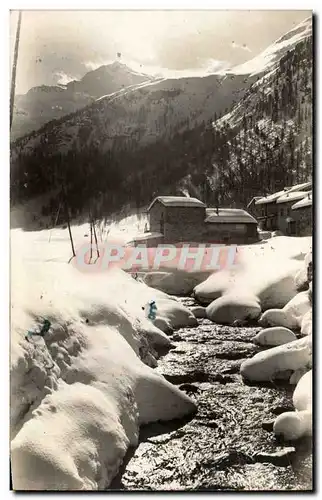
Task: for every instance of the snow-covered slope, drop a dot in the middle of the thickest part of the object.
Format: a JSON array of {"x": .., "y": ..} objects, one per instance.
[
  {"x": 268, "y": 59},
  {"x": 141, "y": 113},
  {"x": 266, "y": 139},
  {"x": 80, "y": 391}
]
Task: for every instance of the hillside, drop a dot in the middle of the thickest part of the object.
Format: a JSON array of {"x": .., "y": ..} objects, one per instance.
[
  {"x": 45, "y": 103},
  {"x": 222, "y": 138}
]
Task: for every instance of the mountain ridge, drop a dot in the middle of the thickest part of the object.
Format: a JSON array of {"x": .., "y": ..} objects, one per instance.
[{"x": 106, "y": 151}]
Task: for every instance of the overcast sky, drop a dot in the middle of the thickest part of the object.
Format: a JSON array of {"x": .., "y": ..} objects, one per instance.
[{"x": 58, "y": 46}]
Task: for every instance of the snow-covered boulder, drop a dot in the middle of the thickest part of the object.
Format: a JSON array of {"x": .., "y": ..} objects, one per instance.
[
  {"x": 274, "y": 336},
  {"x": 291, "y": 315},
  {"x": 277, "y": 317},
  {"x": 198, "y": 311},
  {"x": 231, "y": 307},
  {"x": 297, "y": 424},
  {"x": 278, "y": 362},
  {"x": 298, "y": 307},
  {"x": 175, "y": 313}
]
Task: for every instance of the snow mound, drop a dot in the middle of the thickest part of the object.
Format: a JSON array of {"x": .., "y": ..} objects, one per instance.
[
  {"x": 232, "y": 307},
  {"x": 214, "y": 286},
  {"x": 279, "y": 362},
  {"x": 274, "y": 336},
  {"x": 297, "y": 424},
  {"x": 80, "y": 391},
  {"x": 263, "y": 272}
]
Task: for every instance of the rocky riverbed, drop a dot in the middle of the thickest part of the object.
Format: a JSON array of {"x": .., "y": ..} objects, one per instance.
[{"x": 228, "y": 443}]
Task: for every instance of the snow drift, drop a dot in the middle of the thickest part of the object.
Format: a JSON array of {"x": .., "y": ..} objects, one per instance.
[{"x": 80, "y": 392}]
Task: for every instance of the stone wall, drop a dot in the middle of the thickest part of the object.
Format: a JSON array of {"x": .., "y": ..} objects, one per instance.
[
  {"x": 303, "y": 217},
  {"x": 184, "y": 223}
]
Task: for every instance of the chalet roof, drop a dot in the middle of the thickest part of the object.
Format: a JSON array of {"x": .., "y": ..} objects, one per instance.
[
  {"x": 270, "y": 198},
  {"x": 142, "y": 237},
  {"x": 291, "y": 196},
  {"x": 254, "y": 198},
  {"x": 300, "y": 187},
  {"x": 229, "y": 215},
  {"x": 305, "y": 202},
  {"x": 177, "y": 201},
  {"x": 273, "y": 197}
]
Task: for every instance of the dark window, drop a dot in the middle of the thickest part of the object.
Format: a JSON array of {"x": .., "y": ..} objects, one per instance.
[{"x": 282, "y": 212}]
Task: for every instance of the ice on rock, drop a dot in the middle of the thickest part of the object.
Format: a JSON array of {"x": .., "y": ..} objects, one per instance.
[
  {"x": 232, "y": 307},
  {"x": 278, "y": 362},
  {"x": 297, "y": 424},
  {"x": 274, "y": 336}
]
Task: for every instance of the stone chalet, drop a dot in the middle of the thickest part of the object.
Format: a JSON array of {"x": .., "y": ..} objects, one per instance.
[
  {"x": 277, "y": 212},
  {"x": 177, "y": 219}
]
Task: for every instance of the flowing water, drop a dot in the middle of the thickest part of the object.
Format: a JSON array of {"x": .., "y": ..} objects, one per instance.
[{"x": 228, "y": 444}]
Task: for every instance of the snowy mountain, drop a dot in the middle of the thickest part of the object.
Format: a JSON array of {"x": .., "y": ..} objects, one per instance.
[
  {"x": 142, "y": 113},
  {"x": 267, "y": 136},
  {"x": 230, "y": 136},
  {"x": 268, "y": 59},
  {"x": 44, "y": 103}
]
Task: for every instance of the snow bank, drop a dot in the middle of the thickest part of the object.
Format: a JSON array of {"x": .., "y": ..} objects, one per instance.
[
  {"x": 264, "y": 274},
  {"x": 274, "y": 336},
  {"x": 296, "y": 424},
  {"x": 279, "y": 362},
  {"x": 79, "y": 394}
]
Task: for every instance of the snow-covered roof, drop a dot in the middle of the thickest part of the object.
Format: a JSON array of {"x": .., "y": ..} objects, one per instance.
[
  {"x": 254, "y": 198},
  {"x": 147, "y": 236},
  {"x": 177, "y": 201},
  {"x": 276, "y": 196},
  {"x": 300, "y": 187},
  {"x": 305, "y": 202},
  {"x": 270, "y": 198},
  {"x": 291, "y": 196},
  {"x": 229, "y": 215}
]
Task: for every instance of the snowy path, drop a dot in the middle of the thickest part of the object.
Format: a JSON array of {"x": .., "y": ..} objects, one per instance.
[{"x": 224, "y": 447}]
